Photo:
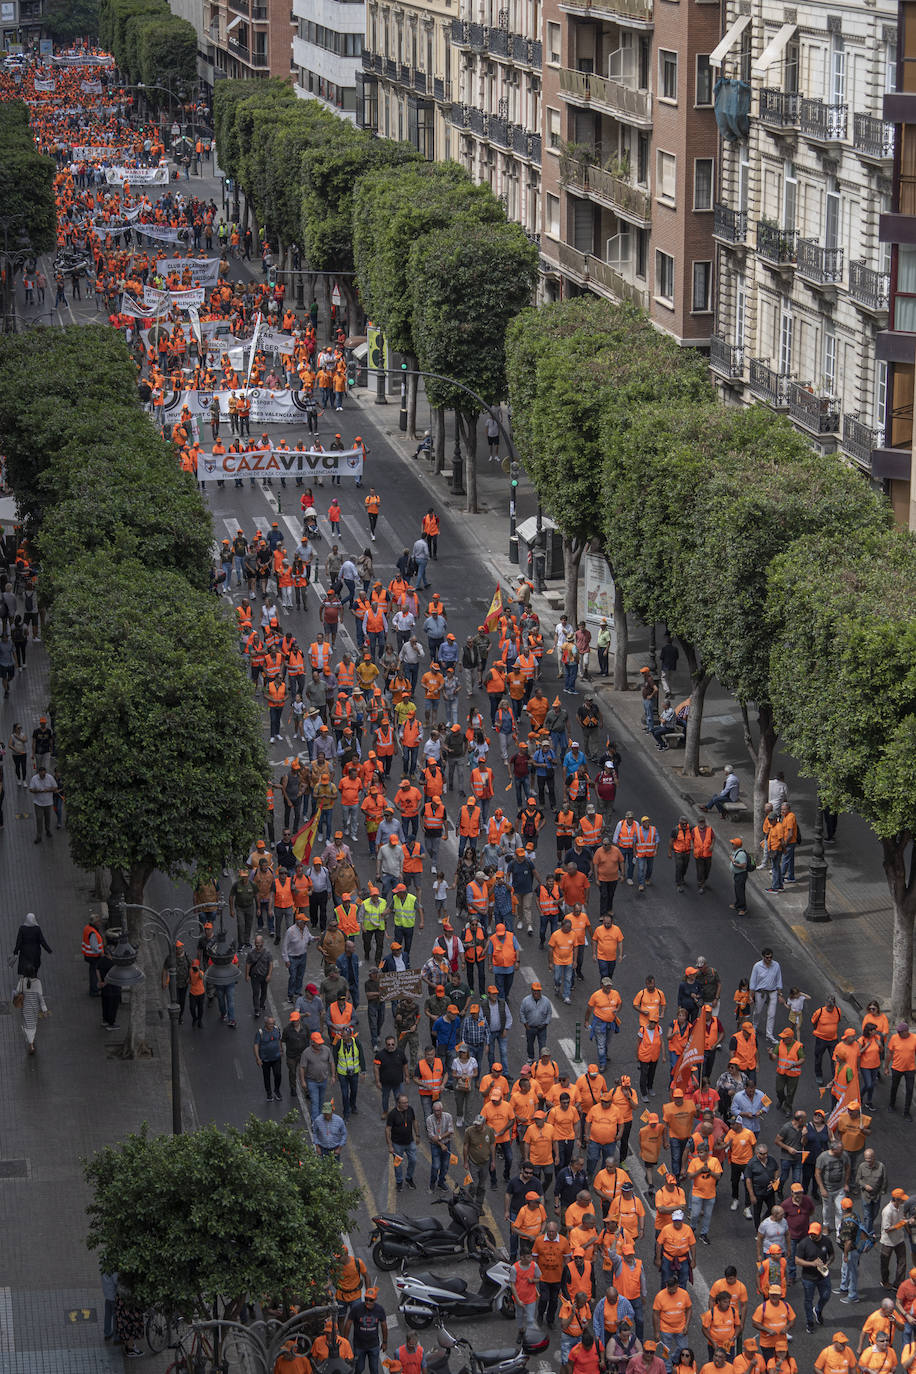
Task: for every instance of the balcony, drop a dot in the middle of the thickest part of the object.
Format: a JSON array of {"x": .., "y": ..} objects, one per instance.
[
  {"x": 476, "y": 121},
  {"x": 725, "y": 359},
  {"x": 772, "y": 387},
  {"x": 534, "y": 148},
  {"x": 499, "y": 42},
  {"x": 391, "y": 69},
  {"x": 603, "y": 93},
  {"x": 859, "y": 441},
  {"x": 239, "y": 6},
  {"x": 728, "y": 225},
  {"x": 813, "y": 411},
  {"x": 778, "y": 109},
  {"x": 637, "y": 12},
  {"x": 869, "y": 288},
  {"x": 591, "y": 271},
  {"x": 442, "y": 90},
  {"x": 823, "y": 123},
  {"x": 820, "y": 266},
  {"x": 404, "y": 74},
  {"x": 419, "y": 82},
  {"x": 477, "y": 37},
  {"x": 873, "y": 139},
  {"x": 499, "y": 131},
  {"x": 460, "y": 33},
  {"x": 613, "y": 191},
  {"x": 459, "y": 115},
  {"x": 258, "y": 12},
  {"x": 776, "y": 246}
]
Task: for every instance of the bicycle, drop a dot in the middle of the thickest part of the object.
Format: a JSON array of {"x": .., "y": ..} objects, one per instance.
[{"x": 198, "y": 1358}]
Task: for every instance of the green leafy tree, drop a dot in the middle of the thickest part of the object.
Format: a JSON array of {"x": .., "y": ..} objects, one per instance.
[
  {"x": 164, "y": 757},
  {"x": 26, "y": 186},
  {"x": 842, "y": 619},
  {"x": 768, "y": 489},
  {"x": 65, "y": 20},
  {"x": 233, "y": 1214},
  {"x": 467, "y": 282},
  {"x": 167, "y": 51}
]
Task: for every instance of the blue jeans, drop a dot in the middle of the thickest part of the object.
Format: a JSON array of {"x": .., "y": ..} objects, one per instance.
[
  {"x": 606, "y": 968},
  {"x": 675, "y": 1344},
  {"x": 717, "y": 801},
  {"x": 317, "y": 1093},
  {"x": 819, "y": 1289},
  {"x": 701, "y": 1214},
  {"x": 677, "y": 1152},
  {"x": 792, "y": 1267},
  {"x": 776, "y": 872},
  {"x": 225, "y": 998},
  {"x": 644, "y": 865},
  {"x": 563, "y": 980},
  {"x": 630, "y": 860},
  {"x": 597, "y": 1153},
  {"x": 498, "y": 1050},
  {"x": 790, "y": 1169},
  {"x": 680, "y": 1267},
  {"x": 421, "y": 573},
  {"x": 503, "y": 980},
  {"x": 870, "y": 1207},
  {"x": 600, "y": 1031},
  {"x": 408, "y": 1155},
  {"x": 636, "y": 1304},
  {"x": 535, "y": 1040},
  {"x": 296, "y": 974},
  {"x": 869, "y": 1079},
  {"x": 849, "y": 1279},
  {"x": 409, "y": 760},
  {"x": 788, "y": 863},
  {"x": 648, "y": 710},
  {"x": 548, "y": 926},
  {"x": 438, "y": 1164},
  {"x": 364, "y": 1357},
  {"x": 571, "y": 672},
  {"x": 110, "y": 1309},
  {"x": 326, "y": 823}
]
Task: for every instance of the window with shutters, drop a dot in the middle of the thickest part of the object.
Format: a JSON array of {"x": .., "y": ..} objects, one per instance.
[
  {"x": 665, "y": 177},
  {"x": 702, "y": 286},
  {"x": 702, "y": 183},
  {"x": 664, "y": 277}
]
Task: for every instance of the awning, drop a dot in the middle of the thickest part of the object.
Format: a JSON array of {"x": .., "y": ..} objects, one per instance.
[
  {"x": 232, "y": 23},
  {"x": 726, "y": 44},
  {"x": 773, "y": 49}
]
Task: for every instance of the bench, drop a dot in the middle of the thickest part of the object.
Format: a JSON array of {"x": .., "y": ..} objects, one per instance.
[{"x": 736, "y": 811}]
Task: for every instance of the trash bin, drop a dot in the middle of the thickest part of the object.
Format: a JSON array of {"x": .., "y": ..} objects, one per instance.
[{"x": 513, "y": 548}]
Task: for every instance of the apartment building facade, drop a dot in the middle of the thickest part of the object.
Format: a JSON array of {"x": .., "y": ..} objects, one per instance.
[
  {"x": 407, "y": 76},
  {"x": 242, "y": 38},
  {"x": 629, "y": 157},
  {"x": 327, "y": 52},
  {"x": 803, "y": 279},
  {"x": 892, "y": 460}
]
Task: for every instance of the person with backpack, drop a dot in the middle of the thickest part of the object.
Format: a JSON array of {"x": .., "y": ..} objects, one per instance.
[
  {"x": 742, "y": 863},
  {"x": 854, "y": 1240}
]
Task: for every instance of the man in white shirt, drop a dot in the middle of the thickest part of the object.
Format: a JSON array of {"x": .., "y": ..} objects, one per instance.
[
  {"x": 766, "y": 985},
  {"x": 729, "y": 792},
  {"x": 43, "y": 787},
  {"x": 562, "y": 632}
]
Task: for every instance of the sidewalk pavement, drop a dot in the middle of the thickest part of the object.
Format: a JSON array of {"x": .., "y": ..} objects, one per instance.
[
  {"x": 70, "y": 1098},
  {"x": 854, "y": 948}
]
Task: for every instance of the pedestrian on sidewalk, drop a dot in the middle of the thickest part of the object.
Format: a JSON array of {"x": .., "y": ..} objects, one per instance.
[
  {"x": 268, "y": 1054},
  {"x": 29, "y": 943},
  {"x": 29, "y": 998},
  {"x": 18, "y": 747},
  {"x": 43, "y": 788}
]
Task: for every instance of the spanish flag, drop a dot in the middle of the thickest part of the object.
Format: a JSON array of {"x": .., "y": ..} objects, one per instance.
[
  {"x": 691, "y": 1056},
  {"x": 305, "y": 838},
  {"x": 491, "y": 619}
]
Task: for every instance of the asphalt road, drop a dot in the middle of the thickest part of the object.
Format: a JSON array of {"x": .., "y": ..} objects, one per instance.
[{"x": 663, "y": 931}]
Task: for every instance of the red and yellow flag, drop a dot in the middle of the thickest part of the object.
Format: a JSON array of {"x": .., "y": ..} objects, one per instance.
[
  {"x": 691, "y": 1055},
  {"x": 849, "y": 1092},
  {"x": 304, "y": 838},
  {"x": 491, "y": 619}
]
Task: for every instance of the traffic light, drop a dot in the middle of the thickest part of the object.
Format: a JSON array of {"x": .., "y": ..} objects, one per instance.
[
  {"x": 351, "y": 372},
  {"x": 271, "y": 276}
]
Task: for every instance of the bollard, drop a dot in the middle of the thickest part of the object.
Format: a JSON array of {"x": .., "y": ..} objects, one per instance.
[{"x": 578, "y": 1051}]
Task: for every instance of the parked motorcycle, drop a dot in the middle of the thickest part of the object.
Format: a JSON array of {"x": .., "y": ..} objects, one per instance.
[
  {"x": 397, "y": 1237},
  {"x": 511, "y": 1359},
  {"x": 424, "y": 1297}
]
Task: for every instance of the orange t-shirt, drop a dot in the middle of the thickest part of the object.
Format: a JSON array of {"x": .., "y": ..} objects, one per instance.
[
  {"x": 673, "y": 1310},
  {"x": 607, "y": 940},
  {"x": 676, "y": 1243},
  {"x": 703, "y": 1185},
  {"x": 902, "y": 1052},
  {"x": 540, "y": 1144},
  {"x": 551, "y": 1257},
  {"x": 833, "y": 1361},
  {"x": 562, "y": 947}
]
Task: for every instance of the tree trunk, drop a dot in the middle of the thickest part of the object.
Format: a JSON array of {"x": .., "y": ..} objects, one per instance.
[
  {"x": 699, "y": 682},
  {"x": 573, "y": 550},
  {"x": 412, "y": 380},
  {"x": 903, "y": 894},
  {"x": 467, "y": 426},
  {"x": 135, "y": 1045},
  {"x": 761, "y": 757},
  {"x": 622, "y": 640},
  {"x": 438, "y": 436}
]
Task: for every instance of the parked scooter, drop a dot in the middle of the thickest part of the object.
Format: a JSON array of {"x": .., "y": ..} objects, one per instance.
[
  {"x": 511, "y": 1359},
  {"x": 424, "y": 1297},
  {"x": 398, "y": 1238}
]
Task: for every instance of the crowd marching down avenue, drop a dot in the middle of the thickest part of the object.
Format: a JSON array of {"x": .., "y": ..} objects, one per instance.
[{"x": 480, "y": 947}]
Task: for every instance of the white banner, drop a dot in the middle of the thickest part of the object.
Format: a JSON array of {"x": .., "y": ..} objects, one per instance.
[
  {"x": 93, "y": 152},
  {"x": 204, "y": 271},
  {"x": 43, "y": 85},
  {"x": 273, "y": 342},
  {"x": 181, "y": 300},
  {"x": 267, "y": 407},
  {"x": 137, "y": 176},
  {"x": 217, "y": 467},
  {"x": 91, "y": 87},
  {"x": 164, "y": 233}
]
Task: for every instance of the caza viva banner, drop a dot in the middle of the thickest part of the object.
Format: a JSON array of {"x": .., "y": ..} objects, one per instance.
[
  {"x": 267, "y": 407},
  {"x": 95, "y": 152},
  {"x": 204, "y": 271},
  {"x": 218, "y": 467},
  {"x": 158, "y": 301},
  {"x": 137, "y": 176}
]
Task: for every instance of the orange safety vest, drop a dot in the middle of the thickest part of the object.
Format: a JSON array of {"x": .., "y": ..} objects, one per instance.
[
  {"x": 87, "y": 947},
  {"x": 469, "y": 821},
  {"x": 549, "y": 900},
  {"x": 502, "y": 950},
  {"x": 348, "y": 918},
  {"x": 413, "y": 858},
  {"x": 475, "y": 945},
  {"x": 591, "y": 828},
  {"x": 319, "y": 655},
  {"x": 627, "y": 834},
  {"x": 681, "y": 844},
  {"x": 431, "y": 1079},
  {"x": 646, "y": 841},
  {"x": 283, "y": 893},
  {"x": 434, "y": 817},
  {"x": 789, "y": 1061},
  {"x": 410, "y": 733},
  {"x": 702, "y": 842},
  {"x": 478, "y": 898}
]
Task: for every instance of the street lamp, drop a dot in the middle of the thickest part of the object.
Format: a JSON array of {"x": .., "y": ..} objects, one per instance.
[
  {"x": 816, "y": 910},
  {"x": 170, "y": 923}
]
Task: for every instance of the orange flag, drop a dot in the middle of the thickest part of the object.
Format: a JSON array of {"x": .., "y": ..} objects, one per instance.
[
  {"x": 691, "y": 1055},
  {"x": 849, "y": 1092}
]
